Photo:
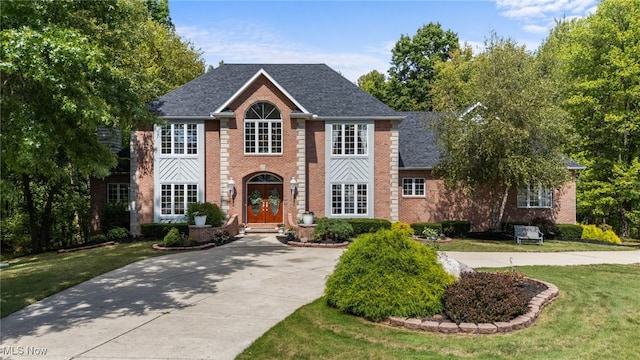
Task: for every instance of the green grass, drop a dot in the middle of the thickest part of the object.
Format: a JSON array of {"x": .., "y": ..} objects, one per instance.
[
  {"x": 34, "y": 277},
  {"x": 595, "y": 317},
  {"x": 510, "y": 246}
]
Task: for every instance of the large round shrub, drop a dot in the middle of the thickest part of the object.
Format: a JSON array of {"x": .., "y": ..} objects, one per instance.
[{"x": 387, "y": 274}]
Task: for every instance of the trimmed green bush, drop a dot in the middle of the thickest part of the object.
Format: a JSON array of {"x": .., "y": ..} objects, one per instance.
[
  {"x": 159, "y": 230},
  {"x": 387, "y": 274},
  {"x": 592, "y": 232},
  {"x": 215, "y": 215},
  {"x": 172, "y": 238},
  {"x": 97, "y": 239},
  {"x": 114, "y": 215},
  {"x": 569, "y": 232},
  {"x": 481, "y": 297},
  {"x": 117, "y": 233},
  {"x": 456, "y": 228},
  {"x": 338, "y": 229},
  {"x": 548, "y": 227},
  {"x": 418, "y": 228},
  {"x": 363, "y": 226},
  {"x": 402, "y": 227}
]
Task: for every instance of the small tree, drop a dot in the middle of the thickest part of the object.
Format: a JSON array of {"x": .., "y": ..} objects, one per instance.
[{"x": 514, "y": 135}]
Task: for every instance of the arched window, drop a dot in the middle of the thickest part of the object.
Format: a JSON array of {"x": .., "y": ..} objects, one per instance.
[{"x": 262, "y": 129}]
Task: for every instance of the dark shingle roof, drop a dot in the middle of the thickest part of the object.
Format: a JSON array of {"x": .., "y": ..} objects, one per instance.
[
  {"x": 418, "y": 143},
  {"x": 418, "y": 146},
  {"x": 319, "y": 89}
]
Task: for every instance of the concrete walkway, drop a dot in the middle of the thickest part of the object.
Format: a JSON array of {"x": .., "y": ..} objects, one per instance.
[
  {"x": 507, "y": 259},
  {"x": 209, "y": 304}
]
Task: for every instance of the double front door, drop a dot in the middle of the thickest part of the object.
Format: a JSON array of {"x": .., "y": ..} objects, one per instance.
[{"x": 264, "y": 203}]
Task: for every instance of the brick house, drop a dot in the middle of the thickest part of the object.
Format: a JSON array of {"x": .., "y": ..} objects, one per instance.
[{"x": 270, "y": 141}]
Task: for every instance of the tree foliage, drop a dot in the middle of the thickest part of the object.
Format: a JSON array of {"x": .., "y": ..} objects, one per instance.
[
  {"x": 413, "y": 61},
  {"x": 601, "y": 67},
  {"x": 69, "y": 67},
  {"x": 513, "y": 135}
]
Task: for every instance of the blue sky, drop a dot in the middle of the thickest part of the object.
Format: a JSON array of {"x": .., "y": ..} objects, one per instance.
[{"x": 354, "y": 37}]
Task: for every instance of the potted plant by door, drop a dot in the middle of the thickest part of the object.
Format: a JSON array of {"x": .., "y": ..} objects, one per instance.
[
  {"x": 199, "y": 218},
  {"x": 307, "y": 218}
]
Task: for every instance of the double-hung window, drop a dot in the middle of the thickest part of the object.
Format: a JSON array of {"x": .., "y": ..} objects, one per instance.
[
  {"x": 413, "y": 186},
  {"x": 262, "y": 129},
  {"x": 179, "y": 139},
  {"x": 118, "y": 193},
  {"x": 349, "y": 139},
  {"x": 347, "y": 199},
  {"x": 535, "y": 196},
  {"x": 175, "y": 198}
]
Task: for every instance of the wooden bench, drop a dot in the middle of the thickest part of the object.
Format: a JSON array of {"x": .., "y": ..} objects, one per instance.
[{"x": 527, "y": 232}]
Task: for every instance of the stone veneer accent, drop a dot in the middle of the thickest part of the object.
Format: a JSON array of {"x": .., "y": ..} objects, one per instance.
[
  {"x": 393, "y": 176},
  {"x": 301, "y": 173},
  {"x": 448, "y": 327},
  {"x": 224, "y": 164}
]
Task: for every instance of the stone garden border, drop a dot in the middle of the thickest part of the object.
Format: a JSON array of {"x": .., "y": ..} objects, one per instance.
[
  {"x": 317, "y": 245},
  {"x": 448, "y": 327}
]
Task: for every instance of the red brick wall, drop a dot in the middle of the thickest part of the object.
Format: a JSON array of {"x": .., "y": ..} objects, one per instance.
[
  {"x": 316, "y": 166},
  {"x": 441, "y": 204},
  {"x": 243, "y": 167},
  {"x": 382, "y": 169},
  {"x": 212, "y": 161}
]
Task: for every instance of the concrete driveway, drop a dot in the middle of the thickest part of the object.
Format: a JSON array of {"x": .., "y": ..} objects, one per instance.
[{"x": 209, "y": 304}]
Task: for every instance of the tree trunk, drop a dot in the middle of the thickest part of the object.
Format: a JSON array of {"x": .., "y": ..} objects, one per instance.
[
  {"x": 40, "y": 233},
  {"x": 497, "y": 220}
]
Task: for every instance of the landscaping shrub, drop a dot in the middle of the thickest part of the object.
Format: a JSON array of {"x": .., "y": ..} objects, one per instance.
[
  {"x": 114, "y": 215},
  {"x": 481, "y": 297},
  {"x": 592, "y": 232},
  {"x": 387, "y": 274},
  {"x": 172, "y": 238},
  {"x": 117, "y": 233},
  {"x": 159, "y": 230},
  {"x": 507, "y": 227},
  {"x": 402, "y": 227},
  {"x": 363, "y": 226},
  {"x": 418, "y": 228},
  {"x": 97, "y": 239},
  {"x": 338, "y": 229},
  {"x": 215, "y": 215},
  {"x": 548, "y": 227},
  {"x": 456, "y": 228},
  {"x": 569, "y": 232}
]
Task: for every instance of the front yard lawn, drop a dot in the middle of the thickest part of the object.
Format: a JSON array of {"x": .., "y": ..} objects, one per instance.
[
  {"x": 34, "y": 277},
  {"x": 595, "y": 317}
]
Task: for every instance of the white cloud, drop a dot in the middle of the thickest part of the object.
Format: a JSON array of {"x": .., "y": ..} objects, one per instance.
[
  {"x": 538, "y": 16},
  {"x": 243, "y": 42}
]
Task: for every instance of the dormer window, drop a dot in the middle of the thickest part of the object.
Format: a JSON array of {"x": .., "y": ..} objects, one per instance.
[{"x": 262, "y": 129}]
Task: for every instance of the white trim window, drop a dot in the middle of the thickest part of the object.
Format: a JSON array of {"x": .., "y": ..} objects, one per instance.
[
  {"x": 118, "y": 193},
  {"x": 349, "y": 199},
  {"x": 262, "y": 129},
  {"x": 349, "y": 139},
  {"x": 413, "y": 187},
  {"x": 535, "y": 197},
  {"x": 175, "y": 198},
  {"x": 179, "y": 139}
]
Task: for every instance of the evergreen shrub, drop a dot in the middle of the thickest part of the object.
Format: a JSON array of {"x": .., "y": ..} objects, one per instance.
[
  {"x": 172, "y": 238},
  {"x": 418, "y": 228},
  {"x": 159, "y": 230},
  {"x": 402, "y": 227},
  {"x": 338, "y": 229},
  {"x": 456, "y": 228},
  {"x": 569, "y": 232},
  {"x": 481, "y": 297},
  {"x": 387, "y": 274},
  {"x": 118, "y": 233},
  {"x": 592, "y": 232},
  {"x": 215, "y": 215},
  {"x": 363, "y": 226}
]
